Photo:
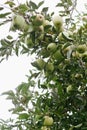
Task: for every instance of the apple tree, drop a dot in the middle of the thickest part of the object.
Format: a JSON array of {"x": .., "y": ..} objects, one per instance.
[{"x": 55, "y": 94}]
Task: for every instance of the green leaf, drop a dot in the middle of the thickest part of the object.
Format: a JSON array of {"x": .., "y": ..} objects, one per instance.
[
  {"x": 9, "y": 37},
  {"x": 34, "y": 6},
  {"x": 10, "y": 3},
  {"x": 4, "y": 15},
  {"x": 40, "y": 4},
  {"x": 10, "y": 93},
  {"x": 1, "y": 8},
  {"x": 23, "y": 8},
  {"x": 59, "y": 5},
  {"x": 18, "y": 109},
  {"x": 22, "y": 88},
  {"x": 23, "y": 116},
  {"x": 45, "y": 9}
]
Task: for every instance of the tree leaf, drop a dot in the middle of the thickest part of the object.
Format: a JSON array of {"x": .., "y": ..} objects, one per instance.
[
  {"x": 1, "y": 8},
  {"x": 40, "y": 4},
  {"x": 4, "y": 15},
  {"x": 34, "y": 6},
  {"x": 23, "y": 116}
]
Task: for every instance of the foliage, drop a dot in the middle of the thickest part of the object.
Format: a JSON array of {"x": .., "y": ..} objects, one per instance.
[{"x": 57, "y": 84}]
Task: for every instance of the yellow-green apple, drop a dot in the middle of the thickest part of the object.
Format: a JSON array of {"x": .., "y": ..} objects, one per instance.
[
  {"x": 39, "y": 64},
  {"x": 84, "y": 56},
  {"x": 52, "y": 47},
  {"x": 48, "y": 121},
  {"x": 69, "y": 89},
  {"x": 46, "y": 23},
  {"x": 82, "y": 48},
  {"x": 39, "y": 20},
  {"x": 18, "y": 22},
  {"x": 49, "y": 67},
  {"x": 58, "y": 22},
  {"x": 28, "y": 41},
  {"x": 58, "y": 56},
  {"x": 44, "y": 128}
]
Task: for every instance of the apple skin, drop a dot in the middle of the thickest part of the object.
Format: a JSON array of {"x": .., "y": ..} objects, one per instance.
[
  {"x": 28, "y": 41},
  {"x": 48, "y": 121},
  {"x": 46, "y": 23},
  {"x": 69, "y": 89},
  {"x": 39, "y": 64},
  {"x": 52, "y": 47},
  {"x": 39, "y": 20},
  {"x": 44, "y": 53},
  {"x": 82, "y": 48},
  {"x": 58, "y": 22},
  {"x": 84, "y": 56},
  {"x": 58, "y": 56},
  {"x": 18, "y": 22},
  {"x": 43, "y": 128},
  {"x": 49, "y": 67}
]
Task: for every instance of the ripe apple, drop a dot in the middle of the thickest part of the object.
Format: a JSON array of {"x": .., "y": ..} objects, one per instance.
[
  {"x": 39, "y": 20},
  {"x": 48, "y": 121},
  {"x": 18, "y": 22},
  {"x": 39, "y": 64},
  {"x": 57, "y": 21},
  {"x": 82, "y": 48},
  {"x": 69, "y": 89},
  {"x": 52, "y": 47}
]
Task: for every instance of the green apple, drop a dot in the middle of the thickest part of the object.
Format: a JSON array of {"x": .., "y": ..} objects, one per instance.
[
  {"x": 39, "y": 20},
  {"x": 40, "y": 28},
  {"x": 48, "y": 121},
  {"x": 39, "y": 64},
  {"x": 84, "y": 18},
  {"x": 46, "y": 23},
  {"x": 84, "y": 56},
  {"x": 57, "y": 21},
  {"x": 58, "y": 56},
  {"x": 66, "y": 35},
  {"x": 23, "y": 100},
  {"x": 28, "y": 41},
  {"x": 44, "y": 128},
  {"x": 69, "y": 89},
  {"x": 60, "y": 37},
  {"x": 18, "y": 22},
  {"x": 76, "y": 54},
  {"x": 49, "y": 67},
  {"x": 52, "y": 47},
  {"x": 82, "y": 48},
  {"x": 44, "y": 53},
  {"x": 78, "y": 76},
  {"x": 66, "y": 49}
]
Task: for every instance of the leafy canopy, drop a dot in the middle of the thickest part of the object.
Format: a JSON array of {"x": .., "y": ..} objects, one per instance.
[{"x": 55, "y": 95}]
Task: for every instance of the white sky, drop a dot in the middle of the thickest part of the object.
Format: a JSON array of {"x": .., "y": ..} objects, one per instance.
[{"x": 13, "y": 71}]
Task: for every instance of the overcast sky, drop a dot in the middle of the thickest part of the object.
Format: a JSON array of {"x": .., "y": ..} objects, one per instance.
[{"x": 13, "y": 71}]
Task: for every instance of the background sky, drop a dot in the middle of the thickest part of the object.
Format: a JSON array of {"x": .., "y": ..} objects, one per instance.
[{"x": 13, "y": 70}]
